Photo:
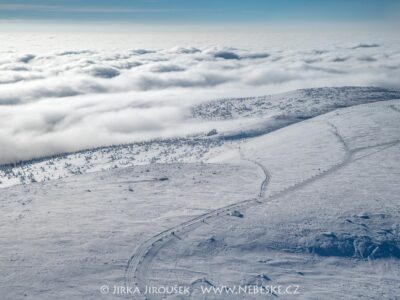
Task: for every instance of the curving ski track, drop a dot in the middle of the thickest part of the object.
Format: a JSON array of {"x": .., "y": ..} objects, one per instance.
[
  {"x": 151, "y": 246},
  {"x": 267, "y": 174},
  {"x": 136, "y": 270}
]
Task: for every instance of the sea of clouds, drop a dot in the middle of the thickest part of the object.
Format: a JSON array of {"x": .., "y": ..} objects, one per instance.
[{"x": 55, "y": 101}]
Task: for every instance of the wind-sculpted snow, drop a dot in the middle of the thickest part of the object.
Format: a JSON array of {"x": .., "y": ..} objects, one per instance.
[{"x": 68, "y": 100}]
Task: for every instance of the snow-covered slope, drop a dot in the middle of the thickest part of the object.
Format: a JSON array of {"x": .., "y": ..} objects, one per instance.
[
  {"x": 304, "y": 103},
  {"x": 217, "y": 121},
  {"x": 63, "y": 239},
  {"x": 312, "y": 205},
  {"x": 332, "y": 230}
]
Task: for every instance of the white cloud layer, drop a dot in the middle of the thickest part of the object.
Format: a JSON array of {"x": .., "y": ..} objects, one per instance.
[{"x": 61, "y": 101}]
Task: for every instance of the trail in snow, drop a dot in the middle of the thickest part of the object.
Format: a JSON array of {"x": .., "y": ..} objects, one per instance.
[
  {"x": 137, "y": 266},
  {"x": 140, "y": 272},
  {"x": 267, "y": 174}
]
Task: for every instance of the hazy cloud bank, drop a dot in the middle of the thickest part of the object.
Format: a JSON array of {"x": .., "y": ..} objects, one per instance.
[{"x": 54, "y": 102}]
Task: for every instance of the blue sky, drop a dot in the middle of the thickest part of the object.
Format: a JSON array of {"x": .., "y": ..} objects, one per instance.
[{"x": 202, "y": 11}]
